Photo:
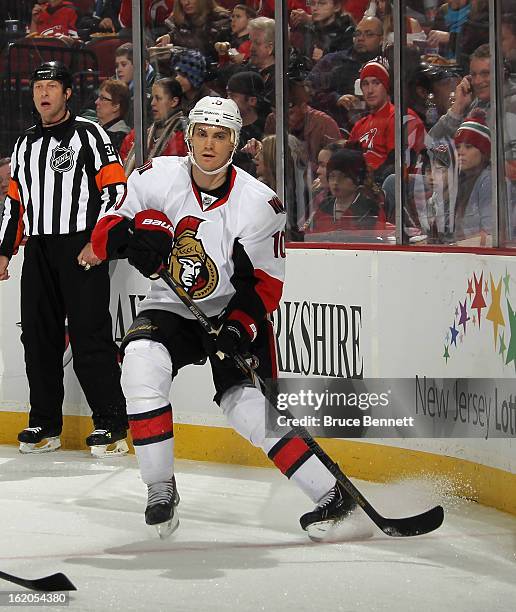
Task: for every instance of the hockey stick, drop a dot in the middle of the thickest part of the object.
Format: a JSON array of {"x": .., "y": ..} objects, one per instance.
[
  {"x": 55, "y": 582},
  {"x": 401, "y": 527}
]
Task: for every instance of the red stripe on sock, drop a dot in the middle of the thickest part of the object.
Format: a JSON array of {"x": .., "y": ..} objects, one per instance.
[
  {"x": 155, "y": 426},
  {"x": 289, "y": 454}
]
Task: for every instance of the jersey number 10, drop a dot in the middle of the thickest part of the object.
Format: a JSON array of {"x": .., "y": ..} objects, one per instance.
[{"x": 279, "y": 244}]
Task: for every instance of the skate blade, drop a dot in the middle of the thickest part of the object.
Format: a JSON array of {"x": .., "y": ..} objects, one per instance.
[
  {"x": 348, "y": 528},
  {"x": 168, "y": 527},
  {"x": 110, "y": 450},
  {"x": 45, "y": 446}
]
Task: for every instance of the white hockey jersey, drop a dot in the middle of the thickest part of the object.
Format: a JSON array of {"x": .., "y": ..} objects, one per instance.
[{"x": 228, "y": 252}]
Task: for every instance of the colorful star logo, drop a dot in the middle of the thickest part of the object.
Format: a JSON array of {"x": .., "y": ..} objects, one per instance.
[
  {"x": 478, "y": 301},
  {"x": 494, "y": 314},
  {"x": 470, "y": 291},
  {"x": 454, "y": 334},
  {"x": 506, "y": 279},
  {"x": 446, "y": 353},
  {"x": 503, "y": 348},
  {"x": 511, "y": 350},
  {"x": 485, "y": 293},
  {"x": 463, "y": 316}
]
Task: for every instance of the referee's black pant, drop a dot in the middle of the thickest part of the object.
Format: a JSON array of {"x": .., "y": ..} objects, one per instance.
[{"x": 53, "y": 287}]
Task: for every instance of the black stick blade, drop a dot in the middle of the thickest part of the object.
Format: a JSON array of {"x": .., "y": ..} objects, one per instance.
[
  {"x": 55, "y": 582},
  {"x": 413, "y": 525}
]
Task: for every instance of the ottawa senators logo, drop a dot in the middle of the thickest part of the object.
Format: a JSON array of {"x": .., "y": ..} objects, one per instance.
[
  {"x": 190, "y": 265},
  {"x": 62, "y": 159}
]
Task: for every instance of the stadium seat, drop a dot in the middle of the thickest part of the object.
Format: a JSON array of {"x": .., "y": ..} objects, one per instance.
[{"x": 104, "y": 49}]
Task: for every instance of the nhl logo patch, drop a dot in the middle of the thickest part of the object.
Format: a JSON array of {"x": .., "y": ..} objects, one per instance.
[
  {"x": 207, "y": 200},
  {"x": 62, "y": 159}
]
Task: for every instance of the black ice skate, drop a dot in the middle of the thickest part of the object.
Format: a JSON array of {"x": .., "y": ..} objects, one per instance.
[
  {"x": 161, "y": 507},
  {"x": 331, "y": 510},
  {"x": 38, "y": 440},
  {"x": 105, "y": 443}
]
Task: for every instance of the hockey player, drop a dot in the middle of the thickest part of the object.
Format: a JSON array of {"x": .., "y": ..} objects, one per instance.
[
  {"x": 65, "y": 171},
  {"x": 217, "y": 229}
]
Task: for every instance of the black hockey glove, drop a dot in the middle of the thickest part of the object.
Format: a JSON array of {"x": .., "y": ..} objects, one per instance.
[
  {"x": 233, "y": 338},
  {"x": 150, "y": 241}
]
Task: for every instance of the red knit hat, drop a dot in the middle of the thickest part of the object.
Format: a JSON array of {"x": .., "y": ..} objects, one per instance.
[
  {"x": 378, "y": 70},
  {"x": 474, "y": 131}
]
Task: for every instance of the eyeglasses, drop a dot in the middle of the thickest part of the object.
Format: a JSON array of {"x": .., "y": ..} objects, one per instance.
[
  {"x": 482, "y": 74},
  {"x": 366, "y": 34},
  {"x": 104, "y": 99}
]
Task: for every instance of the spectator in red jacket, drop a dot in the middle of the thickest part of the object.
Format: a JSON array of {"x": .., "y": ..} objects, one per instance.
[
  {"x": 375, "y": 132},
  {"x": 59, "y": 15},
  {"x": 156, "y": 11}
]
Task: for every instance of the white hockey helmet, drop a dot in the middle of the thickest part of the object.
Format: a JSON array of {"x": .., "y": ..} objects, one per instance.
[{"x": 211, "y": 110}]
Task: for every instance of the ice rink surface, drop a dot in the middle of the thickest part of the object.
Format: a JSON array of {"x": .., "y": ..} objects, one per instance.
[{"x": 239, "y": 545}]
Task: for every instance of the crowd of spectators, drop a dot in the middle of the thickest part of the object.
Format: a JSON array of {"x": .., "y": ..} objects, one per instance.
[{"x": 341, "y": 117}]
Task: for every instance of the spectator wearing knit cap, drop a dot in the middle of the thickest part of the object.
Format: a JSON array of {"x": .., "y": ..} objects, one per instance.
[
  {"x": 246, "y": 89},
  {"x": 351, "y": 204},
  {"x": 473, "y": 204},
  {"x": 474, "y": 132},
  {"x": 375, "y": 132},
  {"x": 190, "y": 69}
]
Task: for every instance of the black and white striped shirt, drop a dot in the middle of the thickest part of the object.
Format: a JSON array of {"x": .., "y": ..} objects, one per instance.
[{"x": 63, "y": 178}]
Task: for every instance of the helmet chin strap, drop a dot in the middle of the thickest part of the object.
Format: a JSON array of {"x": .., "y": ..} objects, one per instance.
[{"x": 208, "y": 172}]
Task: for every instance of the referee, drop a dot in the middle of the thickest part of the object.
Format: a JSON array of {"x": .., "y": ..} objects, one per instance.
[{"x": 65, "y": 172}]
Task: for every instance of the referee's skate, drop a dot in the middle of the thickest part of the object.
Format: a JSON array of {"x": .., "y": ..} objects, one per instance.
[
  {"x": 106, "y": 443},
  {"x": 38, "y": 440}
]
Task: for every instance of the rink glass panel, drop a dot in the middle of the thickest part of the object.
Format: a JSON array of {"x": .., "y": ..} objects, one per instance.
[{"x": 426, "y": 210}]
